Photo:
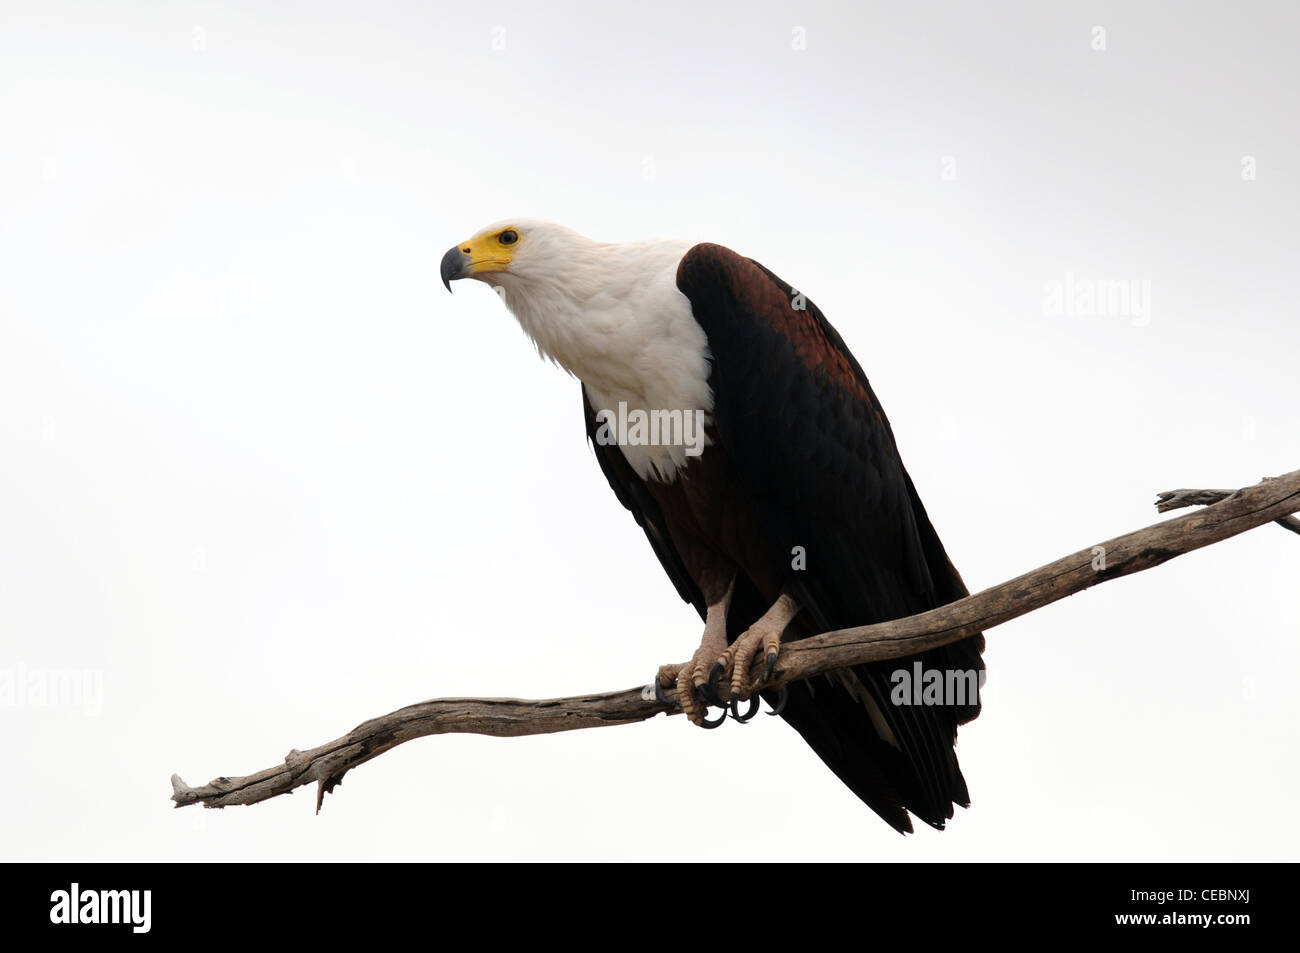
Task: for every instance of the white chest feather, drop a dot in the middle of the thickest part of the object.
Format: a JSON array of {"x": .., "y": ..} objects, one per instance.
[{"x": 616, "y": 321}]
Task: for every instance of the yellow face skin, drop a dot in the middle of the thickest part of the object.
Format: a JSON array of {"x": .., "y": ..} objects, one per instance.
[{"x": 490, "y": 251}]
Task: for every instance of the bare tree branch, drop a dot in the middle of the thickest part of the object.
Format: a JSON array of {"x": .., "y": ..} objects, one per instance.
[
  {"x": 1177, "y": 499},
  {"x": 1227, "y": 513}
]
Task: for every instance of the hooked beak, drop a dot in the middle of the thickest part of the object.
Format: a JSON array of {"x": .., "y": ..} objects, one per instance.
[{"x": 454, "y": 265}]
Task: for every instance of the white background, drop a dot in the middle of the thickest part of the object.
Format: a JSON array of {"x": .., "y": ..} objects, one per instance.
[{"x": 265, "y": 479}]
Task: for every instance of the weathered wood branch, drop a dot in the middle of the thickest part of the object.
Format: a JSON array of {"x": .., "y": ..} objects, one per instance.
[
  {"x": 1177, "y": 499},
  {"x": 1227, "y": 513}
]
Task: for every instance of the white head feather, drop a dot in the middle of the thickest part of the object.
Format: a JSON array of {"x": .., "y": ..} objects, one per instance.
[{"x": 611, "y": 315}]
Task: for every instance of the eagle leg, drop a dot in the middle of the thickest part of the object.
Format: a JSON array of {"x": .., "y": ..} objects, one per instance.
[
  {"x": 764, "y": 634},
  {"x": 691, "y": 678}
]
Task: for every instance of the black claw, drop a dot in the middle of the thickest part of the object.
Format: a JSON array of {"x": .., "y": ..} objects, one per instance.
[
  {"x": 659, "y": 694},
  {"x": 781, "y": 699},
  {"x": 771, "y": 666},
  {"x": 710, "y": 691},
  {"x": 735, "y": 709},
  {"x": 713, "y": 724}
]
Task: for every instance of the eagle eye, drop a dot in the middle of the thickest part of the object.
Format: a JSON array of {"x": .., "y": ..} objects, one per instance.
[{"x": 508, "y": 237}]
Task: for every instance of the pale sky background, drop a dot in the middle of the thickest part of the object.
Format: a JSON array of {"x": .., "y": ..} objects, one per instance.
[{"x": 262, "y": 478}]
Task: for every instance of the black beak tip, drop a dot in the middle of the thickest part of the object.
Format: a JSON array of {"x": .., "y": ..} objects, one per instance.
[{"x": 453, "y": 265}]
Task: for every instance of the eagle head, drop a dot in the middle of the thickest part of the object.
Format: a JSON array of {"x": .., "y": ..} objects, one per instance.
[{"x": 511, "y": 251}]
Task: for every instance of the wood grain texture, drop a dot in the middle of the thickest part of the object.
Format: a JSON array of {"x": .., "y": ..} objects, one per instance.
[
  {"x": 1227, "y": 513},
  {"x": 1177, "y": 499}
]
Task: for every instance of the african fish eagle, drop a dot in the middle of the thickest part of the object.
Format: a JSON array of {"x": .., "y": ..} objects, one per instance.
[{"x": 792, "y": 516}]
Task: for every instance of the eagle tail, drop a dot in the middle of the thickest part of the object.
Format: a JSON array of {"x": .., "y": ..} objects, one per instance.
[{"x": 841, "y": 715}]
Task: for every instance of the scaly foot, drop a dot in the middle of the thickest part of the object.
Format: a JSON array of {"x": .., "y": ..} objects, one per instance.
[
  {"x": 692, "y": 681},
  {"x": 692, "y": 678},
  {"x": 765, "y": 636}
]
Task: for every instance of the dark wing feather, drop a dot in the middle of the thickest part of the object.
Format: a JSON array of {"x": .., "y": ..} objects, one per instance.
[
  {"x": 632, "y": 493},
  {"x": 795, "y": 412}
]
